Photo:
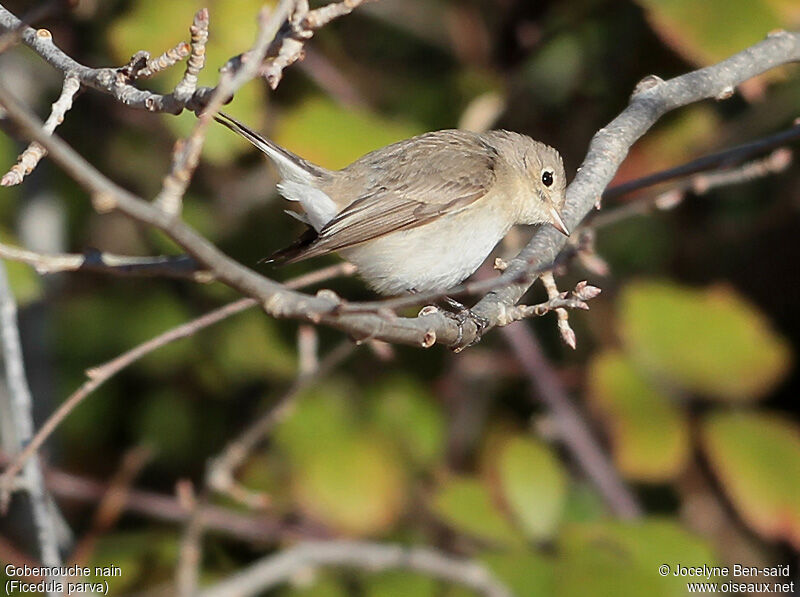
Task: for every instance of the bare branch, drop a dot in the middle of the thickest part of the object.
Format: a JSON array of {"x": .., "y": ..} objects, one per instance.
[
  {"x": 102, "y": 373},
  {"x": 181, "y": 266},
  {"x": 142, "y": 66},
  {"x": 19, "y": 409},
  {"x": 606, "y": 152},
  {"x": 372, "y": 557},
  {"x": 112, "y": 504},
  {"x": 574, "y": 299},
  {"x": 220, "y": 471},
  {"x": 726, "y": 159},
  {"x": 29, "y": 158},
  {"x": 700, "y": 183},
  {"x": 288, "y": 48},
  {"x": 187, "y": 153},
  {"x": 259, "y": 528},
  {"x": 610, "y": 145},
  {"x": 186, "y": 87}
]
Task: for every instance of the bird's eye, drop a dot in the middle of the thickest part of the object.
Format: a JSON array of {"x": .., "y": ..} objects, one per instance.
[{"x": 547, "y": 178}]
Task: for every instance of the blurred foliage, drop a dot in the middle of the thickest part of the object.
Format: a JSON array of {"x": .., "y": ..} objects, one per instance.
[
  {"x": 702, "y": 340},
  {"x": 685, "y": 364},
  {"x": 752, "y": 454},
  {"x": 333, "y": 136},
  {"x": 649, "y": 434},
  {"x": 710, "y": 31}
]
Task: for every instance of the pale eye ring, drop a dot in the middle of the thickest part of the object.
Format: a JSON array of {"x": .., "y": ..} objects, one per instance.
[{"x": 548, "y": 177}]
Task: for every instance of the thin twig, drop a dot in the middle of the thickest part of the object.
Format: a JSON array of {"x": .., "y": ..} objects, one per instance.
[
  {"x": 716, "y": 161},
  {"x": 574, "y": 299},
  {"x": 181, "y": 266},
  {"x": 186, "y": 87},
  {"x": 300, "y": 28},
  {"x": 187, "y": 152},
  {"x": 190, "y": 551},
  {"x": 102, "y": 373},
  {"x": 29, "y": 158},
  {"x": 142, "y": 66},
  {"x": 699, "y": 183},
  {"x": 20, "y": 412},
  {"x": 277, "y": 569},
  {"x": 112, "y": 504}
]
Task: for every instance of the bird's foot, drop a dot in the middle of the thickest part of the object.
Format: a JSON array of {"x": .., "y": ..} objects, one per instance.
[{"x": 462, "y": 314}]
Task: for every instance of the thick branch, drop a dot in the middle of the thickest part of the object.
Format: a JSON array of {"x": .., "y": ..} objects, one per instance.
[
  {"x": 607, "y": 150},
  {"x": 20, "y": 412},
  {"x": 651, "y": 99}
]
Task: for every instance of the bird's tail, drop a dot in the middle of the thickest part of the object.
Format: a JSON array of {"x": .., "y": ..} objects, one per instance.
[{"x": 291, "y": 166}]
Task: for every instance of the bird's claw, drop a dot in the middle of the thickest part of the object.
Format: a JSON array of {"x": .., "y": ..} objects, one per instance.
[{"x": 461, "y": 314}]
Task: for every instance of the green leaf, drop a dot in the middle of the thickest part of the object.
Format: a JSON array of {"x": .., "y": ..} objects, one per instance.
[
  {"x": 143, "y": 556},
  {"x": 356, "y": 486},
  {"x": 25, "y": 283},
  {"x": 622, "y": 559},
  {"x": 757, "y": 460},
  {"x": 399, "y": 584},
  {"x": 649, "y": 434},
  {"x": 333, "y": 136},
  {"x": 167, "y": 422},
  {"x": 708, "y": 341},
  {"x": 407, "y": 412},
  {"x": 524, "y": 572},
  {"x": 249, "y": 345},
  {"x": 322, "y": 416},
  {"x": 465, "y": 504},
  {"x": 533, "y": 484},
  {"x": 583, "y": 504},
  {"x": 709, "y": 31}
]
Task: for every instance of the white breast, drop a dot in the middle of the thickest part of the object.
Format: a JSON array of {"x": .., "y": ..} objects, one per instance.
[{"x": 434, "y": 256}]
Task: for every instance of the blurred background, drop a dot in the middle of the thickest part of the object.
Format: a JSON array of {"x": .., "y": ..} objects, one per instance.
[{"x": 685, "y": 367}]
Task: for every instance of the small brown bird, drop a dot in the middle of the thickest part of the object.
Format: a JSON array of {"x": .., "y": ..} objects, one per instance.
[{"x": 420, "y": 214}]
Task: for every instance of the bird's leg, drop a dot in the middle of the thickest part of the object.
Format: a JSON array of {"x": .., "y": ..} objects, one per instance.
[{"x": 462, "y": 313}]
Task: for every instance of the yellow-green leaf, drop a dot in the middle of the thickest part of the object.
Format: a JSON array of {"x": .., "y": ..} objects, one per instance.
[
  {"x": 534, "y": 485},
  {"x": 709, "y": 31},
  {"x": 322, "y": 416},
  {"x": 709, "y": 341},
  {"x": 649, "y": 435},
  {"x": 757, "y": 460},
  {"x": 356, "y": 485},
  {"x": 465, "y": 504},
  {"x": 333, "y": 136},
  {"x": 400, "y": 584},
  {"x": 407, "y": 412},
  {"x": 250, "y": 345},
  {"x": 25, "y": 283},
  {"x": 526, "y": 572},
  {"x": 615, "y": 559}
]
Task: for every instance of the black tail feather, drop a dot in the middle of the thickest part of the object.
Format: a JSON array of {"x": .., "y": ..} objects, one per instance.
[{"x": 294, "y": 251}]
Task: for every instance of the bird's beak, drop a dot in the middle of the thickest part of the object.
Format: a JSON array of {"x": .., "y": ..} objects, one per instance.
[{"x": 557, "y": 222}]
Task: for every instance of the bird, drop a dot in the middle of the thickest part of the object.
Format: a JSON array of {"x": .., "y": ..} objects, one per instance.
[{"x": 420, "y": 214}]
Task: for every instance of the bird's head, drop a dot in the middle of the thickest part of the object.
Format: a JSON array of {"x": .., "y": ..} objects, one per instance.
[{"x": 542, "y": 185}]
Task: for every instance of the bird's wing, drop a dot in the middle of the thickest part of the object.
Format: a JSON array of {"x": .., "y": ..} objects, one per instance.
[{"x": 415, "y": 182}]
